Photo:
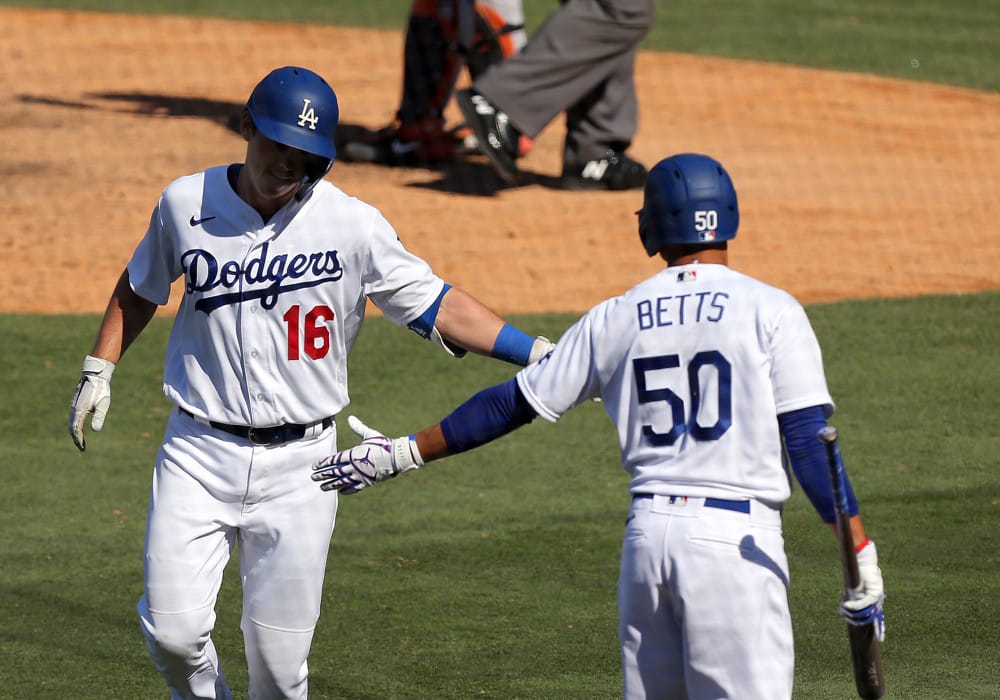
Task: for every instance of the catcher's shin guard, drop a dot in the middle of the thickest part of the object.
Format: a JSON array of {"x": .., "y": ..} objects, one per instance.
[{"x": 492, "y": 40}]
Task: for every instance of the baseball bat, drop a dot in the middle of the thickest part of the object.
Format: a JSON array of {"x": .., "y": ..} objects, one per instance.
[{"x": 866, "y": 656}]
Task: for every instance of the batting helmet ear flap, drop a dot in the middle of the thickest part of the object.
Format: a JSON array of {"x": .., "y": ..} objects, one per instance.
[{"x": 645, "y": 235}]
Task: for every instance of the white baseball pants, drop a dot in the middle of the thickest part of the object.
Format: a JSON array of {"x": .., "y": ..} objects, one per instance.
[
  {"x": 212, "y": 491},
  {"x": 703, "y": 602}
]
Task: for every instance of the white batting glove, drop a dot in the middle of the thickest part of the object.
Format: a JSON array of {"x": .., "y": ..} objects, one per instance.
[
  {"x": 863, "y": 605},
  {"x": 93, "y": 396},
  {"x": 541, "y": 347},
  {"x": 376, "y": 459}
]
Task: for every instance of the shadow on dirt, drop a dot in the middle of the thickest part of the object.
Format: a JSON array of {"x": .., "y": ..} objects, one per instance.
[
  {"x": 469, "y": 175},
  {"x": 477, "y": 178},
  {"x": 225, "y": 114}
]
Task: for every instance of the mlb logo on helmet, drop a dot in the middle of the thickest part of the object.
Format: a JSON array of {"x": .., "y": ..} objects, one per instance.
[{"x": 706, "y": 236}]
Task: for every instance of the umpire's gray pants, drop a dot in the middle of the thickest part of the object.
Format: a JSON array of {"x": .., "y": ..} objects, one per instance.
[{"x": 580, "y": 61}]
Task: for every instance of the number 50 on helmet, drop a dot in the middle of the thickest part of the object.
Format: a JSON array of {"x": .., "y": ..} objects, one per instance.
[{"x": 688, "y": 199}]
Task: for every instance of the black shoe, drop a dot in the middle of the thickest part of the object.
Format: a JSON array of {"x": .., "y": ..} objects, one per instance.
[
  {"x": 388, "y": 152},
  {"x": 615, "y": 171},
  {"x": 497, "y": 137},
  {"x": 399, "y": 144}
]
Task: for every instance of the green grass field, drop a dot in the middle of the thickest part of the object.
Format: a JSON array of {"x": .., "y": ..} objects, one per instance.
[{"x": 492, "y": 574}]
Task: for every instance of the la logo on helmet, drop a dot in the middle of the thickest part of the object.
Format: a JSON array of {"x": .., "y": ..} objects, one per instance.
[{"x": 308, "y": 115}]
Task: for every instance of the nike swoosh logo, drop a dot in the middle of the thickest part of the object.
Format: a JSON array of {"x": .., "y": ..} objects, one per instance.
[
  {"x": 197, "y": 222},
  {"x": 400, "y": 148}
]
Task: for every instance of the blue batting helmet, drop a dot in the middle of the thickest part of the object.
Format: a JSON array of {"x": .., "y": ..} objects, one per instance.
[
  {"x": 688, "y": 199},
  {"x": 295, "y": 107}
]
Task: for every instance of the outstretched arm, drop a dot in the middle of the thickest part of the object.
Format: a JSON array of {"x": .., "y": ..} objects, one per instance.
[
  {"x": 467, "y": 322},
  {"x": 464, "y": 323},
  {"x": 486, "y": 416}
]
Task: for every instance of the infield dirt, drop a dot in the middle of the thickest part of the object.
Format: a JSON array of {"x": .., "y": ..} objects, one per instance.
[{"x": 850, "y": 185}]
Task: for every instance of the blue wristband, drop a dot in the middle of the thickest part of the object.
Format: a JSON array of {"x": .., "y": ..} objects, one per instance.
[{"x": 512, "y": 345}]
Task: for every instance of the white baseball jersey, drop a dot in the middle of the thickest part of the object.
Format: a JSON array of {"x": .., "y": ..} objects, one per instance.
[
  {"x": 271, "y": 309},
  {"x": 693, "y": 365}
]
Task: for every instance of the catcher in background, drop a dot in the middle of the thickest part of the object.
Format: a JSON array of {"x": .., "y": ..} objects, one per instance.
[
  {"x": 713, "y": 379},
  {"x": 442, "y": 36}
]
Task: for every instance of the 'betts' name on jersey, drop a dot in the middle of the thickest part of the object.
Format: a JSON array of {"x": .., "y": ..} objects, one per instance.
[
  {"x": 680, "y": 309},
  {"x": 693, "y": 366}
]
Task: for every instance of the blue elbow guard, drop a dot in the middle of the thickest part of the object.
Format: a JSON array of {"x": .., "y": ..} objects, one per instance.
[
  {"x": 808, "y": 460},
  {"x": 486, "y": 416}
]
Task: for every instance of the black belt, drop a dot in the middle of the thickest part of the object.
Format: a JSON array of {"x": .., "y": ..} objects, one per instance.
[
  {"x": 723, "y": 503},
  {"x": 273, "y": 435}
]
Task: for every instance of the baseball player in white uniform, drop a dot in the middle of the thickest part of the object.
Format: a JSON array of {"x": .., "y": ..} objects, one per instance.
[
  {"x": 278, "y": 264},
  {"x": 708, "y": 375}
]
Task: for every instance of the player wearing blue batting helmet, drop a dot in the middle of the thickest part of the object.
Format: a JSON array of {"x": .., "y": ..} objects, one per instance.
[
  {"x": 688, "y": 199},
  {"x": 295, "y": 107}
]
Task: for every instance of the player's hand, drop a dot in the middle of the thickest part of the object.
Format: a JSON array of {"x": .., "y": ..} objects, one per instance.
[
  {"x": 93, "y": 396},
  {"x": 376, "y": 459},
  {"x": 863, "y": 606},
  {"x": 540, "y": 348}
]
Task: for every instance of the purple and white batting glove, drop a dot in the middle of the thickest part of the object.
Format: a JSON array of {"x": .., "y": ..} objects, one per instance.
[
  {"x": 376, "y": 459},
  {"x": 92, "y": 396},
  {"x": 863, "y": 605}
]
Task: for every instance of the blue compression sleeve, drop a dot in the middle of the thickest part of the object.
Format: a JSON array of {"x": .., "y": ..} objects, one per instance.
[
  {"x": 808, "y": 459},
  {"x": 512, "y": 345},
  {"x": 486, "y": 416},
  {"x": 424, "y": 324}
]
